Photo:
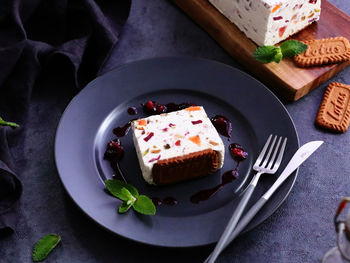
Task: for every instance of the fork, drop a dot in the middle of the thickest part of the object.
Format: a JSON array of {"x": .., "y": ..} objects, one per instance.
[{"x": 263, "y": 165}]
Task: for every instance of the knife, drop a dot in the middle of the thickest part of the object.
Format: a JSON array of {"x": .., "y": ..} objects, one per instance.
[{"x": 298, "y": 158}]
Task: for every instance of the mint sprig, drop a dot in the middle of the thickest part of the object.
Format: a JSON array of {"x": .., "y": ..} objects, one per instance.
[
  {"x": 44, "y": 246},
  {"x": 8, "y": 123},
  {"x": 265, "y": 54},
  {"x": 292, "y": 48},
  {"x": 130, "y": 197},
  {"x": 289, "y": 48}
]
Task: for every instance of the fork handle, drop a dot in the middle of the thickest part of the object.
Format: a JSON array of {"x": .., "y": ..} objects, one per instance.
[
  {"x": 234, "y": 219},
  {"x": 244, "y": 222}
]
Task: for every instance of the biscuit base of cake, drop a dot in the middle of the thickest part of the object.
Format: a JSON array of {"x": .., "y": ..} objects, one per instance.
[{"x": 186, "y": 167}]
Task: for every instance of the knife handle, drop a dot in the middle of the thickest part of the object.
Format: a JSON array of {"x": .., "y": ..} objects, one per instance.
[{"x": 245, "y": 220}]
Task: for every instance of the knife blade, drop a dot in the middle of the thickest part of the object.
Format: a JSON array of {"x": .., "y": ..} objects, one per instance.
[{"x": 303, "y": 153}]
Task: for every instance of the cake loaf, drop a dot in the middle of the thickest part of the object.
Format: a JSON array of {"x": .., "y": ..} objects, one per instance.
[
  {"x": 268, "y": 22},
  {"x": 177, "y": 146}
]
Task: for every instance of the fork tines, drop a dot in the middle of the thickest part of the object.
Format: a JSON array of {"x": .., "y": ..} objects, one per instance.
[{"x": 265, "y": 161}]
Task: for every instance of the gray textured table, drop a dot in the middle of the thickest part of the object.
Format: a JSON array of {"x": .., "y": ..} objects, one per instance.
[{"x": 300, "y": 231}]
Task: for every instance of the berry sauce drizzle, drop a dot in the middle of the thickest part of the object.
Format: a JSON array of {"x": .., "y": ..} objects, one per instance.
[
  {"x": 166, "y": 201},
  {"x": 169, "y": 201},
  {"x": 222, "y": 125},
  {"x": 156, "y": 201},
  {"x": 205, "y": 194},
  {"x": 114, "y": 153},
  {"x": 238, "y": 154},
  {"x": 121, "y": 131}
]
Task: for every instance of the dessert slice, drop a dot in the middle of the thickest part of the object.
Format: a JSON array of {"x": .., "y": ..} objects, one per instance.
[
  {"x": 268, "y": 22},
  {"x": 177, "y": 146}
]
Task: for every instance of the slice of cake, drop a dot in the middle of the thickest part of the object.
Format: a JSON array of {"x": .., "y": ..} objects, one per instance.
[
  {"x": 268, "y": 22},
  {"x": 177, "y": 146}
]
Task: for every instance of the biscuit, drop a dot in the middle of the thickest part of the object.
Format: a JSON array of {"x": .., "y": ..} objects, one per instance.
[
  {"x": 334, "y": 112},
  {"x": 324, "y": 51},
  {"x": 186, "y": 167}
]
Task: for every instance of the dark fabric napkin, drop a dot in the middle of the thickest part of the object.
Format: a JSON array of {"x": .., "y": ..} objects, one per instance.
[{"x": 33, "y": 35}]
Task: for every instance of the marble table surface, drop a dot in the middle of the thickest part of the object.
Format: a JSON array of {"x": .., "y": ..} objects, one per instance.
[{"x": 301, "y": 230}]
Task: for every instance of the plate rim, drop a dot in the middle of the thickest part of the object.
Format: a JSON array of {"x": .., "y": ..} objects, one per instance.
[{"x": 126, "y": 64}]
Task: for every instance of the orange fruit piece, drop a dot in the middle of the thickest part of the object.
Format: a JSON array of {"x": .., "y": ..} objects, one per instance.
[
  {"x": 193, "y": 108},
  {"x": 142, "y": 122},
  {"x": 275, "y": 8},
  {"x": 195, "y": 139}
]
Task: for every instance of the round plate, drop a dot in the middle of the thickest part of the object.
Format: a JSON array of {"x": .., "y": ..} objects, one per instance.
[{"x": 86, "y": 127}]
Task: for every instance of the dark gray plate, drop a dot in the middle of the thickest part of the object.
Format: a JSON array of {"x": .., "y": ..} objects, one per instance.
[{"x": 86, "y": 127}]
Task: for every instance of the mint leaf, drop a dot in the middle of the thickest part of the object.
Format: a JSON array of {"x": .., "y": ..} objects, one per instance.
[
  {"x": 8, "y": 123},
  {"x": 129, "y": 194},
  {"x": 126, "y": 196},
  {"x": 144, "y": 205},
  {"x": 115, "y": 186},
  {"x": 265, "y": 54},
  {"x": 278, "y": 57},
  {"x": 291, "y": 48},
  {"x": 124, "y": 207},
  {"x": 44, "y": 246}
]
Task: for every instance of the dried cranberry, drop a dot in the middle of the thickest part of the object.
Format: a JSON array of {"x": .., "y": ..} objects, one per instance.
[
  {"x": 161, "y": 109},
  {"x": 148, "y": 137},
  {"x": 240, "y": 153},
  {"x": 312, "y": 1},
  {"x": 178, "y": 143},
  {"x": 149, "y": 107},
  {"x": 114, "y": 150},
  {"x": 277, "y": 18},
  {"x": 197, "y": 122},
  {"x": 236, "y": 145},
  {"x": 153, "y": 107},
  {"x": 237, "y": 152}
]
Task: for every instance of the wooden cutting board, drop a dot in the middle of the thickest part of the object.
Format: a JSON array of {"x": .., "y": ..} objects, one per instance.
[{"x": 286, "y": 79}]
